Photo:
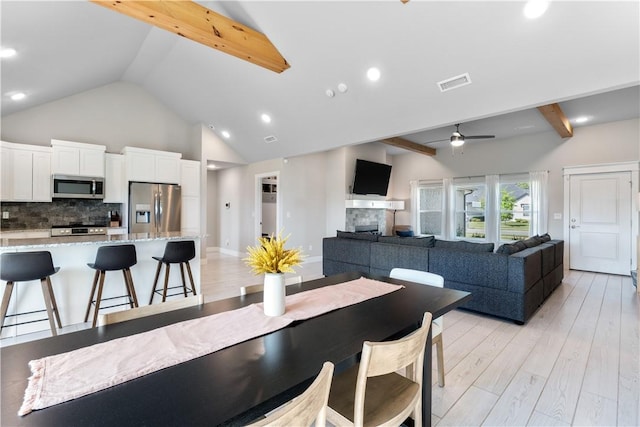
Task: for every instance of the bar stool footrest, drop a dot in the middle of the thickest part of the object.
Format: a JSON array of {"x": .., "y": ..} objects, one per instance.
[{"x": 159, "y": 291}]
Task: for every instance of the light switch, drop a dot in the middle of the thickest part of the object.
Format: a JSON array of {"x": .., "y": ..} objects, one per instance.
[{"x": 557, "y": 216}]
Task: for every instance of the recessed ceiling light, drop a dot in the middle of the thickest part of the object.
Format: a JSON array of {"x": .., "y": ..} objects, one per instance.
[
  {"x": 373, "y": 74},
  {"x": 265, "y": 118},
  {"x": 18, "y": 96},
  {"x": 582, "y": 119},
  {"x": 7, "y": 52},
  {"x": 535, "y": 8},
  {"x": 225, "y": 134}
]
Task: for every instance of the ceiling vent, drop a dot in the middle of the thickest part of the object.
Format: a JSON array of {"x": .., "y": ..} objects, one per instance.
[
  {"x": 454, "y": 82},
  {"x": 269, "y": 139}
]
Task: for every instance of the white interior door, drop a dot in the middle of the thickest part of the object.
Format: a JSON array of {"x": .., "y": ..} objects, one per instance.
[{"x": 600, "y": 222}]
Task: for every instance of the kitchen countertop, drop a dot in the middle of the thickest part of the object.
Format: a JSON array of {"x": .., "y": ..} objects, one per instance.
[{"x": 8, "y": 243}]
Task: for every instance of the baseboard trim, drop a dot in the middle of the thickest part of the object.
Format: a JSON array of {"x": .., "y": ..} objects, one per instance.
[{"x": 216, "y": 249}]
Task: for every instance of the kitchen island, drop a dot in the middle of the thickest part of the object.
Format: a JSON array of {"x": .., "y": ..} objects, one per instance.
[{"x": 72, "y": 284}]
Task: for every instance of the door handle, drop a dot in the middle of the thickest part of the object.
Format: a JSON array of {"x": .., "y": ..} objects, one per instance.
[{"x": 575, "y": 226}]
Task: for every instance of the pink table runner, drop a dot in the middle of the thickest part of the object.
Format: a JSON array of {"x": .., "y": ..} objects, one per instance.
[{"x": 62, "y": 377}]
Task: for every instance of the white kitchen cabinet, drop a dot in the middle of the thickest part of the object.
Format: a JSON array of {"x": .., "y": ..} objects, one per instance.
[
  {"x": 190, "y": 183},
  {"x": 78, "y": 159},
  {"x": 115, "y": 185},
  {"x": 22, "y": 164},
  {"x": 190, "y": 177},
  {"x": 168, "y": 169},
  {"x": 144, "y": 165},
  {"x": 26, "y": 173},
  {"x": 190, "y": 215},
  {"x": 41, "y": 176}
]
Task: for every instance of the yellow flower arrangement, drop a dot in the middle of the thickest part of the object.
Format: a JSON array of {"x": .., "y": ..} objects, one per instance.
[{"x": 270, "y": 256}]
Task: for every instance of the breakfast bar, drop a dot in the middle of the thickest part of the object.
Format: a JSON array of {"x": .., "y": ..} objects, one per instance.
[{"x": 72, "y": 284}]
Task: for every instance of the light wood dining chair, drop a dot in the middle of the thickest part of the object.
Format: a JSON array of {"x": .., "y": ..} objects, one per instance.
[
  {"x": 308, "y": 407},
  {"x": 431, "y": 279},
  {"x": 148, "y": 310},
  {"x": 252, "y": 289},
  {"x": 382, "y": 396}
]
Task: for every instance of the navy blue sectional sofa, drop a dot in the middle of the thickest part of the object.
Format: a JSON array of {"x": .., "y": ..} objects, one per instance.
[{"x": 510, "y": 283}]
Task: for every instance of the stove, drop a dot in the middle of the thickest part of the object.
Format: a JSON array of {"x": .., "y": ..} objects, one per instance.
[{"x": 78, "y": 230}]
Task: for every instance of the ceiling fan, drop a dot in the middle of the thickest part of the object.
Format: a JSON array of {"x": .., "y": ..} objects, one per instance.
[{"x": 457, "y": 139}]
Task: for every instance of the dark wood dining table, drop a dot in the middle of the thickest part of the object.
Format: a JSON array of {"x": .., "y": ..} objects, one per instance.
[{"x": 235, "y": 385}]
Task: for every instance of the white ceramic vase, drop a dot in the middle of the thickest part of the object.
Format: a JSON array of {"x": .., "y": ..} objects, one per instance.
[{"x": 274, "y": 294}]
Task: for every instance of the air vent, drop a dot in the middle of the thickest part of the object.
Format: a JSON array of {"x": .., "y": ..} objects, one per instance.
[
  {"x": 269, "y": 139},
  {"x": 454, "y": 82}
]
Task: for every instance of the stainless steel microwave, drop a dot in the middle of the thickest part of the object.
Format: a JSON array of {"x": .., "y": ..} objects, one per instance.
[{"x": 77, "y": 187}]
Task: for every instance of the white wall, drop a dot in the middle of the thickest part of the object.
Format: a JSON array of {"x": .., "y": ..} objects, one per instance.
[
  {"x": 605, "y": 143},
  {"x": 212, "y": 211},
  {"x": 116, "y": 115}
]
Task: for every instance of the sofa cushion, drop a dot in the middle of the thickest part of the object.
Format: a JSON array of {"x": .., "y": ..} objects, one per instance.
[
  {"x": 477, "y": 268},
  {"x": 511, "y": 248},
  {"x": 350, "y": 251},
  {"x": 385, "y": 257},
  {"x": 532, "y": 241},
  {"x": 462, "y": 245},
  {"x": 358, "y": 236},
  {"x": 425, "y": 242}
]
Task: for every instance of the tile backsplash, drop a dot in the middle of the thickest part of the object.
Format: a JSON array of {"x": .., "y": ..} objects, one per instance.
[
  {"x": 362, "y": 216},
  {"x": 30, "y": 216}
]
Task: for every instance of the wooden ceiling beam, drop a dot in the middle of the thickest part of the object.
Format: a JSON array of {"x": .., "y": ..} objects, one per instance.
[
  {"x": 556, "y": 118},
  {"x": 410, "y": 145},
  {"x": 197, "y": 23}
]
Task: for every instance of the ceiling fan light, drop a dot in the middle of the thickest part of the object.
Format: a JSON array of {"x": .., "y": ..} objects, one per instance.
[{"x": 456, "y": 140}]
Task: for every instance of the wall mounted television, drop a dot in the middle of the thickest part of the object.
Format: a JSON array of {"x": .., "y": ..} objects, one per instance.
[{"x": 371, "y": 178}]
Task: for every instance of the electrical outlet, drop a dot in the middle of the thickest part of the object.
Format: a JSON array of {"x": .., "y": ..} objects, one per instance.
[
  {"x": 226, "y": 243},
  {"x": 310, "y": 248},
  {"x": 5, "y": 214}
]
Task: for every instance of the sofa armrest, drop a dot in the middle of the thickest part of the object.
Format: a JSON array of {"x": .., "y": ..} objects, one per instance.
[{"x": 525, "y": 269}]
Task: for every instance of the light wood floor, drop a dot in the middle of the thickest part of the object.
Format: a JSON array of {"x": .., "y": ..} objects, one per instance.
[{"x": 576, "y": 362}]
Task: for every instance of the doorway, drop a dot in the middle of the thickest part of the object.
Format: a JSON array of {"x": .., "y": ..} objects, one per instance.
[
  {"x": 599, "y": 218},
  {"x": 267, "y": 204}
]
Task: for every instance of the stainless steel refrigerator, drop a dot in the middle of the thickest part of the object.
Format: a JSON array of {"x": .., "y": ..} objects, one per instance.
[{"x": 154, "y": 208}]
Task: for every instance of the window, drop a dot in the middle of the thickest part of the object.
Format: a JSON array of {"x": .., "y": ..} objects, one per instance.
[
  {"x": 469, "y": 201},
  {"x": 491, "y": 208},
  {"x": 430, "y": 203},
  {"x": 515, "y": 208}
]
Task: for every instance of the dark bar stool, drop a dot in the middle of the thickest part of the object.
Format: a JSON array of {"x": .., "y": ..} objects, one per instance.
[
  {"x": 112, "y": 258},
  {"x": 25, "y": 267},
  {"x": 175, "y": 253}
]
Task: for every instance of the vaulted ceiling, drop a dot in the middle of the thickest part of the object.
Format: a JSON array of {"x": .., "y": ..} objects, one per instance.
[{"x": 576, "y": 49}]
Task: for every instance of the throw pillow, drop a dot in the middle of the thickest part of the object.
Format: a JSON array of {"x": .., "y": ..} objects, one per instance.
[
  {"x": 511, "y": 248},
  {"x": 532, "y": 241},
  {"x": 507, "y": 249},
  {"x": 404, "y": 233},
  {"x": 545, "y": 237}
]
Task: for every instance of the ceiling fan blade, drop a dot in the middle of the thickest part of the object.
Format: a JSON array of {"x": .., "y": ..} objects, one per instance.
[
  {"x": 479, "y": 136},
  {"x": 432, "y": 142}
]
